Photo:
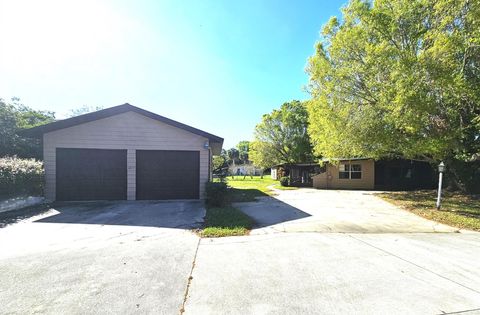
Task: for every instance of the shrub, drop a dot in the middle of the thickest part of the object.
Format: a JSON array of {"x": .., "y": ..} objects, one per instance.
[
  {"x": 20, "y": 177},
  {"x": 284, "y": 181},
  {"x": 468, "y": 174},
  {"x": 216, "y": 194}
]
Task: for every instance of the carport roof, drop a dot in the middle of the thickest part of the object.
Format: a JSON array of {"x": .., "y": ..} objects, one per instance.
[{"x": 37, "y": 132}]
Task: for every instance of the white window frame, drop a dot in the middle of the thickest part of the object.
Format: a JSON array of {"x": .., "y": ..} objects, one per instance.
[{"x": 348, "y": 168}]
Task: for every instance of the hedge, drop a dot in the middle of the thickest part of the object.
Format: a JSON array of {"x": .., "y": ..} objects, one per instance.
[{"x": 20, "y": 177}]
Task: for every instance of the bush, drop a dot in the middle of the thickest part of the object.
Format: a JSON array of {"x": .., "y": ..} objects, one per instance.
[
  {"x": 284, "y": 181},
  {"x": 216, "y": 194},
  {"x": 20, "y": 177}
]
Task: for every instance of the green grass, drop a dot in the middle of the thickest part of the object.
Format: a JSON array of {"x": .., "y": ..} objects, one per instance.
[
  {"x": 226, "y": 221},
  {"x": 248, "y": 188},
  {"x": 459, "y": 210},
  {"x": 229, "y": 221}
]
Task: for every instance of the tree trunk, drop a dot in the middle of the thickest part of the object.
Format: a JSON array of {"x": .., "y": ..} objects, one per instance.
[{"x": 454, "y": 180}]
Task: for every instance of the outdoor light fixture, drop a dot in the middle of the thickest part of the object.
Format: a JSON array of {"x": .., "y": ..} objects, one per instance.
[
  {"x": 441, "y": 169},
  {"x": 206, "y": 145}
]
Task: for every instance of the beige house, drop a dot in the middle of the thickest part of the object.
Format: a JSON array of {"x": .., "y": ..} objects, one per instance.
[
  {"x": 359, "y": 173},
  {"x": 347, "y": 174},
  {"x": 125, "y": 152}
]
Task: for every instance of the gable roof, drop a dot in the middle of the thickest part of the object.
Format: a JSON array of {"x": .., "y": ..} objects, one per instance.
[{"x": 37, "y": 132}]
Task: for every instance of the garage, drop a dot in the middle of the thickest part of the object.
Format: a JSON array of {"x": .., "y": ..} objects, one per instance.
[
  {"x": 167, "y": 174},
  {"x": 125, "y": 153},
  {"x": 91, "y": 174}
]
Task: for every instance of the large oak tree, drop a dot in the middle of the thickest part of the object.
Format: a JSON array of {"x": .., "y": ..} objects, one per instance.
[{"x": 399, "y": 78}]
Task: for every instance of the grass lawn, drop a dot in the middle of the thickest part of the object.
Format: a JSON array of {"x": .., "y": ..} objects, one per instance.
[
  {"x": 246, "y": 189},
  {"x": 457, "y": 209},
  {"x": 226, "y": 221}
]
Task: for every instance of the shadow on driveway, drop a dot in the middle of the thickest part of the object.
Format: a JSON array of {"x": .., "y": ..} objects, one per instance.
[
  {"x": 15, "y": 216},
  {"x": 267, "y": 211},
  {"x": 166, "y": 214}
]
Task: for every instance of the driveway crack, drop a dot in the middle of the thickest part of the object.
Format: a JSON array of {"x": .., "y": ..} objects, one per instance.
[
  {"x": 414, "y": 264},
  {"x": 190, "y": 278}
]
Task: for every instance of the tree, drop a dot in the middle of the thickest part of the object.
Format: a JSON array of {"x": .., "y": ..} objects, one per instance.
[
  {"x": 85, "y": 109},
  {"x": 233, "y": 156},
  {"x": 398, "y": 78},
  {"x": 281, "y": 137},
  {"x": 220, "y": 163},
  {"x": 263, "y": 154},
  {"x": 15, "y": 116},
  {"x": 243, "y": 149}
]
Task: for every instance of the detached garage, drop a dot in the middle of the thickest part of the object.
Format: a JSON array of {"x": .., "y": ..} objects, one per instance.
[{"x": 125, "y": 153}]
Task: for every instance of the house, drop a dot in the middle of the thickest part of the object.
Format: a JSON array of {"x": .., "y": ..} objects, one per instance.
[
  {"x": 385, "y": 174},
  {"x": 125, "y": 153},
  {"x": 300, "y": 174},
  {"x": 244, "y": 169},
  {"x": 347, "y": 174}
]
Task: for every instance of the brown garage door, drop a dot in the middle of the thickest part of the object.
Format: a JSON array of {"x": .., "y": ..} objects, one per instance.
[
  {"x": 91, "y": 174},
  {"x": 167, "y": 175}
]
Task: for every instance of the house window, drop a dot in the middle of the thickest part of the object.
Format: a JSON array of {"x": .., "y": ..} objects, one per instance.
[
  {"x": 350, "y": 171},
  {"x": 344, "y": 171}
]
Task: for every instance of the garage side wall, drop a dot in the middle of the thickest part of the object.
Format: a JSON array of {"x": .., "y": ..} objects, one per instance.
[{"x": 128, "y": 131}]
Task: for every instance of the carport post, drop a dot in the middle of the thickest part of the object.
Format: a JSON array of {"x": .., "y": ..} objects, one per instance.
[{"x": 441, "y": 169}]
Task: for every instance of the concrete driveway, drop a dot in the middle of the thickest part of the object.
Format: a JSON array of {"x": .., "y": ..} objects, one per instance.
[
  {"x": 336, "y": 273},
  {"x": 107, "y": 258},
  {"x": 337, "y": 211},
  {"x": 141, "y": 257}
]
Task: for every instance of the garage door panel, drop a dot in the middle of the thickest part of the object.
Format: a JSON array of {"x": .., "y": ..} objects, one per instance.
[
  {"x": 167, "y": 174},
  {"x": 91, "y": 174}
]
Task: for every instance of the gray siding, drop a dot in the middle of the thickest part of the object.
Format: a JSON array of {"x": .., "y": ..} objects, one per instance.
[{"x": 129, "y": 131}]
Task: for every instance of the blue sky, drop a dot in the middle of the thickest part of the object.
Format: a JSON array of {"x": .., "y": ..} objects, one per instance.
[{"x": 215, "y": 65}]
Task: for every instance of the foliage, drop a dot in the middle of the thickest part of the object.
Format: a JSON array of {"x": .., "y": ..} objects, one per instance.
[
  {"x": 243, "y": 148},
  {"x": 221, "y": 218},
  {"x": 263, "y": 154},
  {"x": 457, "y": 210},
  {"x": 398, "y": 77},
  {"x": 284, "y": 181},
  {"x": 216, "y": 194},
  {"x": 85, "y": 109},
  {"x": 237, "y": 155},
  {"x": 469, "y": 173},
  {"x": 220, "y": 165},
  {"x": 281, "y": 137},
  {"x": 226, "y": 221},
  {"x": 14, "y": 116},
  {"x": 19, "y": 177},
  {"x": 233, "y": 156}
]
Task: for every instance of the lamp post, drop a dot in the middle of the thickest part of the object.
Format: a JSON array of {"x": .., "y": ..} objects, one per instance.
[{"x": 441, "y": 169}]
